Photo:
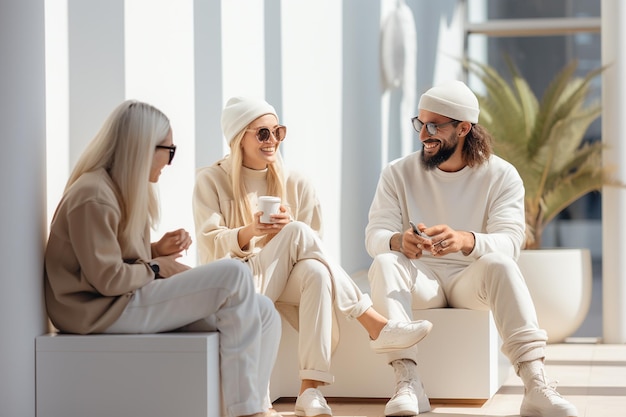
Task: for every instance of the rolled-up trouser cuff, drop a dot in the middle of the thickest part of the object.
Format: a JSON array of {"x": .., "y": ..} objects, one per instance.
[
  {"x": 360, "y": 307},
  {"x": 538, "y": 353},
  {"x": 323, "y": 377}
]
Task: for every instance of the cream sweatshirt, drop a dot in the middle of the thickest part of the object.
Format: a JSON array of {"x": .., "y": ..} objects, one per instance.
[
  {"x": 487, "y": 200},
  {"x": 214, "y": 208}
]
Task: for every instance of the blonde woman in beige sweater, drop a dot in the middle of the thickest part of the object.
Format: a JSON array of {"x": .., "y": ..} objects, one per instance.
[
  {"x": 286, "y": 256},
  {"x": 102, "y": 274}
]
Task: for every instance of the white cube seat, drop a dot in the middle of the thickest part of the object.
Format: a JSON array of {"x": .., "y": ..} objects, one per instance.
[
  {"x": 151, "y": 375},
  {"x": 460, "y": 359}
]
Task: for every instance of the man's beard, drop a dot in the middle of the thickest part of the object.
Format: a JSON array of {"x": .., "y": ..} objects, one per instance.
[{"x": 446, "y": 150}]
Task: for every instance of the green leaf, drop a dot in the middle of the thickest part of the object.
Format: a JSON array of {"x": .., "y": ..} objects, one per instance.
[{"x": 543, "y": 138}]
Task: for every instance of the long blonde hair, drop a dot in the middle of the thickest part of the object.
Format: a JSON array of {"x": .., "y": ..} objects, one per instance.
[
  {"x": 124, "y": 147},
  {"x": 275, "y": 181}
]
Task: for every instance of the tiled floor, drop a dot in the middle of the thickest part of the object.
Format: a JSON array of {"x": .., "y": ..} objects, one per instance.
[{"x": 592, "y": 376}]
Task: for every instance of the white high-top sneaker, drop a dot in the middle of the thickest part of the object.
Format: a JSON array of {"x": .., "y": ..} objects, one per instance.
[
  {"x": 409, "y": 398},
  {"x": 540, "y": 396}
]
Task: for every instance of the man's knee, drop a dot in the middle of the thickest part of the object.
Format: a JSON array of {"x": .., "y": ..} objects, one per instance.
[
  {"x": 382, "y": 266},
  {"x": 500, "y": 267},
  {"x": 384, "y": 261}
]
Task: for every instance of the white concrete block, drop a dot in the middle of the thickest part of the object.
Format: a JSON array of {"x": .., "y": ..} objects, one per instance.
[
  {"x": 154, "y": 375},
  {"x": 459, "y": 359}
]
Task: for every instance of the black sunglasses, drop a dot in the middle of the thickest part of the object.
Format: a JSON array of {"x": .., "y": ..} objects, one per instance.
[
  {"x": 431, "y": 128},
  {"x": 263, "y": 134},
  {"x": 172, "y": 150}
]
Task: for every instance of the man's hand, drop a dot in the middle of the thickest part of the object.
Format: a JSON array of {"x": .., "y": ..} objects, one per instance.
[
  {"x": 445, "y": 240},
  {"x": 408, "y": 243},
  {"x": 441, "y": 240},
  {"x": 413, "y": 242}
]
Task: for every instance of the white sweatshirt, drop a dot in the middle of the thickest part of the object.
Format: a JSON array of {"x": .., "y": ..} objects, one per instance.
[{"x": 487, "y": 200}]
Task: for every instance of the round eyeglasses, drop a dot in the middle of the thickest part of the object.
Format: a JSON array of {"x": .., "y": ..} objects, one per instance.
[
  {"x": 172, "y": 149},
  {"x": 263, "y": 134},
  {"x": 431, "y": 128}
]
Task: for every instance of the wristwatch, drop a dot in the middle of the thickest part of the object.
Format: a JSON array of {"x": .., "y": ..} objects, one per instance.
[{"x": 156, "y": 269}]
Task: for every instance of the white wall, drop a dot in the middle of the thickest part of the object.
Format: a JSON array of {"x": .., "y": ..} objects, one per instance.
[
  {"x": 207, "y": 26},
  {"x": 316, "y": 62},
  {"x": 614, "y": 199},
  {"x": 312, "y": 87},
  {"x": 57, "y": 105},
  {"x": 22, "y": 205},
  {"x": 159, "y": 69},
  {"x": 96, "y": 67}
]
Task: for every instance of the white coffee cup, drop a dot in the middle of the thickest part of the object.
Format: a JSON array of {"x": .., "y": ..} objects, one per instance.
[{"x": 268, "y": 205}]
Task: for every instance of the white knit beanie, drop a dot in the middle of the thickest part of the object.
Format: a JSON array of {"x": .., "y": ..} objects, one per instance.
[
  {"x": 240, "y": 111},
  {"x": 452, "y": 99}
]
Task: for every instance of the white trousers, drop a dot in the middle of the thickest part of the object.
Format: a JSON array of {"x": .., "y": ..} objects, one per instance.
[
  {"x": 293, "y": 269},
  {"x": 219, "y": 296},
  {"x": 492, "y": 282}
]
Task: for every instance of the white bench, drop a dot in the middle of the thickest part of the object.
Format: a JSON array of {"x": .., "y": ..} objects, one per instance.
[
  {"x": 460, "y": 359},
  {"x": 155, "y": 375},
  {"x": 161, "y": 375}
]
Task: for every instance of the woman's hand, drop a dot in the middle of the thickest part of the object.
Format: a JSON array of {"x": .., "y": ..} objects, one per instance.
[
  {"x": 168, "y": 265},
  {"x": 256, "y": 228},
  {"x": 172, "y": 243},
  {"x": 279, "y": 220}
]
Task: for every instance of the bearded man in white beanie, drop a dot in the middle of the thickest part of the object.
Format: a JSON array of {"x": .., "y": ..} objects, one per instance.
[{"x": 445, "y": 229}]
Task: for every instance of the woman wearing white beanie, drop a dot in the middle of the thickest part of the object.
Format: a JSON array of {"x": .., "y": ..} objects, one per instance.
[{"x": 287, "y": 257}]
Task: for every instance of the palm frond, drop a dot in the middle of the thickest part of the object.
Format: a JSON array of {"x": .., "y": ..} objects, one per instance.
[
  {"x": 525, "y": 97},
  {"x": 543, "y": 139},
  {"x": 549, "y": 105},
  {"x": 567, "y": 136}
]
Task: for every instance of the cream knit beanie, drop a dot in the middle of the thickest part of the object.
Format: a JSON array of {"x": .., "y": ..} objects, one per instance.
[
  {"x": 452, "y": 99},
  {"x": 240, "y": 111}
]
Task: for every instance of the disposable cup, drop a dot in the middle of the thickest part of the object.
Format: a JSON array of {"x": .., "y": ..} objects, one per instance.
[{"x": 268, "y": 205}]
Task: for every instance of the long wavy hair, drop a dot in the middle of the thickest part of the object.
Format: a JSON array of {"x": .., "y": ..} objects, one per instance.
[
  {"x": 478, "y": 146},
  {"x": 275, "y": 180},
  {"x": 125, "y": 147}
]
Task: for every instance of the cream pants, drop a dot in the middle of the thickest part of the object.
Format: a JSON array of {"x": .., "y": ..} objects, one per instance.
[
  {"x": 293, "y": 269},
  {"x": 492, "y": 282},
  {"x": 219, "y": 297}
]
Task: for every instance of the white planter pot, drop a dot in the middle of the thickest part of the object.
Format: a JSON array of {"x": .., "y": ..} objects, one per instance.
[{"x": 560, "y": 282}]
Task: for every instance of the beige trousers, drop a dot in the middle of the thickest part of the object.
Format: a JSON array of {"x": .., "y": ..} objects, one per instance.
[{"x": 294, "y": 270}]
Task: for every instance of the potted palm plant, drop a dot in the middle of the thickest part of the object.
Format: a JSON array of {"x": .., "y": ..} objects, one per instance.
[{"x": 543, "y": 139}]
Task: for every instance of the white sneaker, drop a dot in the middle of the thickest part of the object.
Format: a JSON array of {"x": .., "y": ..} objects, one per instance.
[
  {"x": 540, "y": 396},
  {"x": 312, "y": 403},
  {"x": 400, "y": 335},
  {"x": 409, "y": 398}
]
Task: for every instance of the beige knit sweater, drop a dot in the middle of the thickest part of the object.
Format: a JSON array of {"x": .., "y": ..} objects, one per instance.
[
  {"x": 214, "y": 208},
  {"x": 90, "y": 272}
]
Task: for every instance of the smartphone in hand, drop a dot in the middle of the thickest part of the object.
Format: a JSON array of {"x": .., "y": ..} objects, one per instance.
[{"x": 418, "y": 232}]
